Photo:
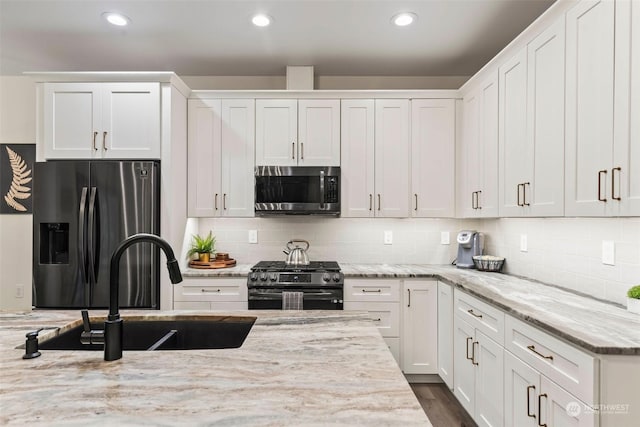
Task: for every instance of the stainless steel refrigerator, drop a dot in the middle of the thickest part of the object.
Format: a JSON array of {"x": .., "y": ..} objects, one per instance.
[{"x": 82, "y": 210}]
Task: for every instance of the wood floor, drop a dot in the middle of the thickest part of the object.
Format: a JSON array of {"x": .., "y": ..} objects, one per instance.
[{"x": 441, "y": 406}]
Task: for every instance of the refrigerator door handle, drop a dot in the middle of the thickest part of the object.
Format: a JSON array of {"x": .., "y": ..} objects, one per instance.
[
  {"x": 82, "y": 231},
  {"x": 90, "y": 233}
]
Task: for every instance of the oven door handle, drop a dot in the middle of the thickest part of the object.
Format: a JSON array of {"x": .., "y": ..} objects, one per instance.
[{"x": 321, "y": 190}]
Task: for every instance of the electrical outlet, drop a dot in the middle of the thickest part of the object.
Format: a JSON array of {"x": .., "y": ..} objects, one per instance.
[
  {"x": 388, "y": 237},
  {"x": 523, "y": 243},
  {"x": 19, "y": 291},
  {"x": 253, "y": 236},
  {"x": 445, "y": 238},
  {"x": 608, "y": 252}
]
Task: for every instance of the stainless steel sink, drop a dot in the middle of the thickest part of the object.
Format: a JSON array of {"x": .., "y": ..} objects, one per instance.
[{"x": 141, "y": 335}]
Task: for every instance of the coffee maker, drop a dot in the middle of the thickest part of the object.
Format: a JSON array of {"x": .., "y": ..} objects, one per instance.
[{"x": 470, "y": 243}]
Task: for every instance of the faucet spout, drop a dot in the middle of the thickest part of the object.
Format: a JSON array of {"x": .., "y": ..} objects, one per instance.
[{"x": 113, "y": 324}]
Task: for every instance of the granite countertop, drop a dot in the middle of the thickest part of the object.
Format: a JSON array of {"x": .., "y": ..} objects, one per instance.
[
  {"x": 295, "y": 368},
  {"x": 594, "y": 325}
]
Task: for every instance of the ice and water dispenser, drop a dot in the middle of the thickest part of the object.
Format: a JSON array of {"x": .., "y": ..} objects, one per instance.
[{"x": 54, "y": 243}]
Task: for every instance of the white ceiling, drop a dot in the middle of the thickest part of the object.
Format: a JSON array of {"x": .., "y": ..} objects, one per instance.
[{"x": 215, "y": 37}]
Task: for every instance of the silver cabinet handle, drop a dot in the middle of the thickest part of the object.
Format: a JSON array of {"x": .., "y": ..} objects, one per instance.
[
  {"x": 524, "y": 194},
  {"x": 104, "y": 140},
  {"x": 467, "y": 352},
  {"x": 302, "y": 151},
  {"x": 478, "y": 200},
  {"x": 377, "y": 320},
  {"x": 376, "y": 291},
  {"x": 216, "y": 201},
  {"x": 473, "y": 353},
  {"x": 370, "y": 202},
  {"x": 518, "y": 191},
  {"x": 416, "y": 196},
  {"x": 224, "y": 201},
  {"x": 533, "y": 349},
  {"x": 379, "y": 201},
  {"x": 94, "y": 141},
  {"x": 529, "y": 388},
  {"x": 471, "y": 312},
  {"x": 293, "y": 151},
  {"x": 409, "y": 300},
  {"x": 210, "y": 291},
  {"x": 613, "y": 183},
  {"x": 540, "y": 396}
]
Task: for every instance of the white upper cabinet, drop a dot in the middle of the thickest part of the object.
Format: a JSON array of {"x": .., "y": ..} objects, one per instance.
[
  {"x": 375, "y": 158},
  {"x": 625, "y": 190},
  {"x": 319, "y": 132},
  {"x": 392, "y": 158},
  {"x": 291, "y": 132},
  {"x": 220, "y": 157},
  {"x": 589, "y": 112},
  {"x": 357, "y": 157},
  {"x": 102, "y": 120},
  {"x": 478, "y": 172},
  {"x": 433, "y": 157},
  {"x": 531, "y": 136}
]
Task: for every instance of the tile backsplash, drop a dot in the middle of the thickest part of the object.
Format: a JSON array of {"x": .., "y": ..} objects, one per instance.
[{"x": 565, "y": 252}]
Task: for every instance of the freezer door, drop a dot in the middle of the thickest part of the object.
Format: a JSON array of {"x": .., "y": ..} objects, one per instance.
[
  {"x": 60, "y": 190},
  {"x": 124, "y": 199}
]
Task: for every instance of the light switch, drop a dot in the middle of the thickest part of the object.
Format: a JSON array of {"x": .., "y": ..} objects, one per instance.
[
  {"x": 444, "y": 238},
  {"x": 19, "y": 291},
  {"x": 388, "y": 237},
  {"x": 523, "y": 243},
  {"x": 608, "y": 252},
  {"x": 253, "y": 236}
]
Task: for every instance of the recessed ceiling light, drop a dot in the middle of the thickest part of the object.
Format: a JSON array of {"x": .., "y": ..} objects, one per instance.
[
  {"x": 116, "y": 19},
  {"x": 261, "y": 20},
  {"x": 404, "y": 19}
]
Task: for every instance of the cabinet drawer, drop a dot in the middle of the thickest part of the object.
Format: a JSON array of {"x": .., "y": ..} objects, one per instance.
[
  {"x": 569, "y": 367},
  {"x": 375, "y": 290},
  {"x": 208, "y": 289},
  {"x": 386, "y": 315},
  {"x": 482, "y": 316}
]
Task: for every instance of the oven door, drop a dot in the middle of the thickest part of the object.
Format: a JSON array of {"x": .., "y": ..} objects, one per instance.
[{"x": 312, "y": 298}]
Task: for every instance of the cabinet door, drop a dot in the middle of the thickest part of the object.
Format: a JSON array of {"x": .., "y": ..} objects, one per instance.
[
  {"x": 521, "y": 389},
  {"x": 432, "y": 157},
  {"x": 488, "y": 115},
  {"x": 357, "y": 157},
  {"x": 420, "y": 327},
  {"x": 72, "y": 115},
  {"x": 445, "y": 333},
  {"x": 562, "y": 409},
  {"x": 238, "y": 124},
  {"x": 392, "y": 158},
  {"x": 203, "y": 157},
  {"x": 589, "y": 111},
  {"x": 514, "y": 156},
  {"x": 130, "y": 121},
  {"x": 464, "y": 380},
  {"x": 319, "y": 132},
  {"x": 489, "y": 357},
  {"x": 470, "y": 170},
  {"x": 276, "y": 132},
  {"x": 625, "y": 174}
]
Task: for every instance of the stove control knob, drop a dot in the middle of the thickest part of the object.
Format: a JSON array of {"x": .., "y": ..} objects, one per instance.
[
  {"x": 253, "y": 277},
  {"x": 336, "y": 277},
  {"x": 326, "y": 277},
  {"x": 273, "y": 277},
  {"x": 263, "y": 277}
]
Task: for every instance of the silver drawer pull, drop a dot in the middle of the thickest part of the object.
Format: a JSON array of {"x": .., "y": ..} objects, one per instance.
[
  {"x": 533, "y": 349},
  {"x": 470, "y": 311},
  {"x": 376, "y": 291},
  {"x": 210, "y": 291},
  {"x": 377, "y": 320}
]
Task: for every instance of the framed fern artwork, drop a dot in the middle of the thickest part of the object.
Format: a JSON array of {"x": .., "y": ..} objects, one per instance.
[{"x": 16, "y": 178}]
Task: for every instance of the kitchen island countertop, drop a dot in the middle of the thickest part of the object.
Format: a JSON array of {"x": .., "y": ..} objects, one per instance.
[{"x": 295, "y": 368}]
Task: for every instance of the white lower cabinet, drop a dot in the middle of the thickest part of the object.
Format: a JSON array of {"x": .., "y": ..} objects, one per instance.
[
  {"x": 531, "y": 399},
  {"x": 419, "y": 337},
  {"x": 206, "y": 293},
  {"x": 445, "y": 333}
]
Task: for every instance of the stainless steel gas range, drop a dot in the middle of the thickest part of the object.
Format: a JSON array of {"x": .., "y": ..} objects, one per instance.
[{"x": 275, "y": 285}]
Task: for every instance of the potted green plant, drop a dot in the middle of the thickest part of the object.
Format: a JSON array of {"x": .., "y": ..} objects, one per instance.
[
  {"x": 633, "y": 299},
  {"x": 203, "y": 246}
]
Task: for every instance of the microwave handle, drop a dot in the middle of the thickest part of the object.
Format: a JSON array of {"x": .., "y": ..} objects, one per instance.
[{"x": 321, "y": 189}]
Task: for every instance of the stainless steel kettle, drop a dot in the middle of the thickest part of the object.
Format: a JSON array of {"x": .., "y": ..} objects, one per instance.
[{"x": 297, "y": 255}]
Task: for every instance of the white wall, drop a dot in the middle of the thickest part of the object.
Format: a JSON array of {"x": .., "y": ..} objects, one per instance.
[
  {"x": 17, "y": 126},
  {"x": 567, "y": 252}
]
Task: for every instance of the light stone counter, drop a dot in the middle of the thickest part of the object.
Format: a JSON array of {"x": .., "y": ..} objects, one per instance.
[
  {"x": 594, "y": 325},
  {"x": 307, "y": 368}
]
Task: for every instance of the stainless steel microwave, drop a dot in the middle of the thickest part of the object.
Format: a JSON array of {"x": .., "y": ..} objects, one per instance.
[{"x": 297, "y": 190}]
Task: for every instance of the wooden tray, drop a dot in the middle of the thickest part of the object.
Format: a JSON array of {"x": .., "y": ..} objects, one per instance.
[{"x": 213, "y": 264}]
